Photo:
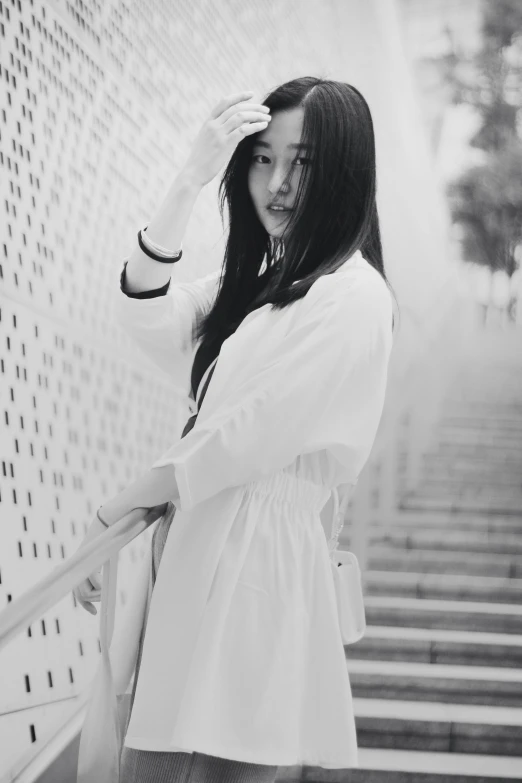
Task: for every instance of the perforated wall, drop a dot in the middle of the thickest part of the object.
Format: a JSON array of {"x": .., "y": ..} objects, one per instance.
[{"x": 99, "y": 105}]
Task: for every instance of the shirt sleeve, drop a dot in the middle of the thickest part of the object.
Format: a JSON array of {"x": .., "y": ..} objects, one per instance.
[
  {"x": 163, "y": 325},
  {"x": 322, "y": 387},
  {"x": 150, "y": 294}
]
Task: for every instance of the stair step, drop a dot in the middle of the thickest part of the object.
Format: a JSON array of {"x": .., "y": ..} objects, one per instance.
[
  {"x": 454, "y": 540},
  {"x": 479, "y": 447},
  {"x": 495, "y": 414},
  {"x": 456, "y": 486},
  {"x": 442, "y": 517},
  {"x": 497, "y": 462},
  {"x": 381, "y": 558},
  {"x": 447, "y": 446},
  {"x": 476, "y": 434},
  {"x": 469, "y": 427},
  {"x": 443, "y": 503},
  {"x": 459, "y": 728},
  {"x": 436, "y": 645},
  {"x": 407, "y": 766},
  {"x": 428, "y": 613},
  {"x": 472, "y": 479},
  {"x": 408, "y": 519},
  {"x": 467, "y": 497},
  {"x": 386, "y": 765},
  {"x": 453, "y": 587},
  {"x": 472, "y": 440},
  {"x": 432, "y": 485},
  {"x": 487, "y": 437},
  {"x": 456, "y": 478},
  {"x": 482, "y": 423},
  {"x": 484, "y": 685}
]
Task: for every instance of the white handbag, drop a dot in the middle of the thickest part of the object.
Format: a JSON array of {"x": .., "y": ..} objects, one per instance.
[
  {"x": 347, "y": 580},
  {"x": 349, "y": 595}
]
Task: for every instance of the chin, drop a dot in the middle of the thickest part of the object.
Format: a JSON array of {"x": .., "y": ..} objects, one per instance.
[
  {"x": 272, "y": 230},
  {"x": 275, "y": 231}
]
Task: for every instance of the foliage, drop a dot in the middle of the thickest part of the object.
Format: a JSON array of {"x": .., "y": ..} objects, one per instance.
[{"x": 487, "y": 199}]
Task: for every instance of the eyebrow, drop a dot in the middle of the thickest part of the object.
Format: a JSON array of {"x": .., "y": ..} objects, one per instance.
[{"x": 260, "y": 143}]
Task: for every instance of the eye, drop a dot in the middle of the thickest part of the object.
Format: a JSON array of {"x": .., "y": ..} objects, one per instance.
[{"x": 308, "y": 160}]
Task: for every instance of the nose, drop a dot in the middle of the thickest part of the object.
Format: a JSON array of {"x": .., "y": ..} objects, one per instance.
[{"x": 279, "y": 181}]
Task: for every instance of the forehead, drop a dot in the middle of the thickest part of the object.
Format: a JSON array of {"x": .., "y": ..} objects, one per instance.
[{"x": 283, "y": 132}]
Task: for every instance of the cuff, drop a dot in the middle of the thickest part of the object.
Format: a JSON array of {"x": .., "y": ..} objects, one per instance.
[
  {"x": 150, "y": 294},
  {"x": 185, "y": 498}
]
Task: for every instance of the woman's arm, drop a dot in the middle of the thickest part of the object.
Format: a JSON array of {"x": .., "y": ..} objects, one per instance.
[
  {"x": 322, "y": 386},
  {"x": 166, "y": 228},
  {"x": 156, "y": 487}
]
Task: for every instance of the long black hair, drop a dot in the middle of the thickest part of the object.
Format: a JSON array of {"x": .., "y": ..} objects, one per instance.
[{"x": 336, "y": 212}]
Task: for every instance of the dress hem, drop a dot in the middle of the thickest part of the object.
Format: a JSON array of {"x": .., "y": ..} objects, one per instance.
[{"x": 142, "y": 743}]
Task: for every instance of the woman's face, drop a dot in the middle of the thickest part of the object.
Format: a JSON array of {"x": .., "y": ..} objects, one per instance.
[{"x": 275, "y": 152}]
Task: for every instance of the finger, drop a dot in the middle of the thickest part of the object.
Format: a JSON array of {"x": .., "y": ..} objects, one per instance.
[
  {"x": 95, "y": 581},
  {"x": 247, "y": 129},
  {"x": 242, "y": 117},
  {"x": 86, "y": 591},
  {"x": 229, "y": 100},
  {"x": 256, "y": 109},
  {"x": 87, "y": 606}
]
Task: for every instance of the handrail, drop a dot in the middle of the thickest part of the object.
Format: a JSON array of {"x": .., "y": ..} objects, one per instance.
[{"x": 64, "y": 578}]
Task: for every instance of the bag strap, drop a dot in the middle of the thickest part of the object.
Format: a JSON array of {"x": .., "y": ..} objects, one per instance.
[
  {"x": 209, "y": 372},
  {"x": 108, "y": 601},
  {"x": 338, "y": 520}
]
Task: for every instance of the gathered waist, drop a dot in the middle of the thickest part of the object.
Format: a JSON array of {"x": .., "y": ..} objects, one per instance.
[{"x": 299, "y": 492}]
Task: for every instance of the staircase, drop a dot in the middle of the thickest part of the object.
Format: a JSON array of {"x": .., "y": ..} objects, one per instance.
[{"x": 437, "y": 679}]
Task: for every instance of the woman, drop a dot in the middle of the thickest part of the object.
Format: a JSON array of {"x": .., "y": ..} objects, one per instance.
[{"x": 242, "y": 666}]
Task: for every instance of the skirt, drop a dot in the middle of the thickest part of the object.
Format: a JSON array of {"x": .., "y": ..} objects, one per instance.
[{"x": 149, "y": 766}]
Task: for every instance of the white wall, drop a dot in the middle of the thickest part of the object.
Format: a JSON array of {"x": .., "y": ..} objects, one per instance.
[{"x": 104, "y": 126}]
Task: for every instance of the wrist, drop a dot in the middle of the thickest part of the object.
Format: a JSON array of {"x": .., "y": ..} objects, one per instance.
[{"x": 188, "y": 180}]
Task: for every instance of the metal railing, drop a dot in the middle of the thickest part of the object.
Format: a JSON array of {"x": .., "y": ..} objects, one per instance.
[{"x": 63, "y": 579}]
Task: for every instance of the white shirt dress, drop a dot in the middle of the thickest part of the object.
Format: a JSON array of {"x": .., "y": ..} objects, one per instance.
[{"x": 243, "y": 656}]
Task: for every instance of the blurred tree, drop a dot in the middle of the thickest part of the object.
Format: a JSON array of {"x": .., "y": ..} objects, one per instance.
[{"x": 486, "y": 200}]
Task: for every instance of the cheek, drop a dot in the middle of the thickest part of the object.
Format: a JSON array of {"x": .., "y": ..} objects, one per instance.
[{"x": 254, "y": 187}]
